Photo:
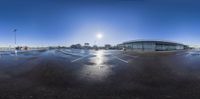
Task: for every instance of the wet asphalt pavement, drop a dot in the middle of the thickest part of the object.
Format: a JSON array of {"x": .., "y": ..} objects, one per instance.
[{"x": 103, "y": 74}]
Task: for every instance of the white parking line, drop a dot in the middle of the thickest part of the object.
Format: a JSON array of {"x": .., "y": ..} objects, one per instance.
[
  {"x": 121, "y": 59},
  {"x": 80, "y": 58},
  {"x": 130, "y": 56},
  {"x": 68, "y": 53}
]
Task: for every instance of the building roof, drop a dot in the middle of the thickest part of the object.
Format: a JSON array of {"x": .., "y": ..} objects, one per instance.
[{"x": 157, "y": 41}]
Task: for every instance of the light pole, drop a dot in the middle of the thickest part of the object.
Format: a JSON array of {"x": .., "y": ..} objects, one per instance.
[{"x": 15, "y": 34}]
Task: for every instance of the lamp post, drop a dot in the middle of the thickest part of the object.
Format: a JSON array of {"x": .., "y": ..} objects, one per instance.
[{"x": 15, "y": 34}]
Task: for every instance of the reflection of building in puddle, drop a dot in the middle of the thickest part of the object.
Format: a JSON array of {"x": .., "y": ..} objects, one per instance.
[{"x": 99, "y": 71}]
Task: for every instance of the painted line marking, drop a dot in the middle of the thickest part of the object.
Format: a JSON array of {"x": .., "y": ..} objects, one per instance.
[
  {"x": 121, "y": 59},
  {"x": 130, "y": 56},
  {"x": 68, "y": 53},
  {"x": 80, "y": 58}
]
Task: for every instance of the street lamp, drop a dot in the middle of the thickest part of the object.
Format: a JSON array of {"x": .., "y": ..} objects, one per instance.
[{"x": 15, "y": 34}]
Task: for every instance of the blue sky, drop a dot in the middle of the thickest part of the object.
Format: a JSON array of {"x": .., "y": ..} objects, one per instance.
[{"x": 62, "y": 22}]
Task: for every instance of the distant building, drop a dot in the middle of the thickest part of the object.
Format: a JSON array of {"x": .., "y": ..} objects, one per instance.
[
  {"x": 87, "y": 44},
  {"x": 95, "y": 47},
  {"x": 120, "y": 46},
  {"x": 21, "y": 48},
  {"x": 152, "y": 45},
  {"x": 107, "y": 46}
]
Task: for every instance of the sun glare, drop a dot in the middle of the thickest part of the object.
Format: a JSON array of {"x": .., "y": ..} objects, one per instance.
[{"x": 99, "y": 35}]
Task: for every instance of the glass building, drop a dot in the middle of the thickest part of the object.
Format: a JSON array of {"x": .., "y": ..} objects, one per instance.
[{"x": 153, "y": 45}]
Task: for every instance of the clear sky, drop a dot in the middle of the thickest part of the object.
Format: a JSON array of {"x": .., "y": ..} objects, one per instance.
[{"x": 62, "y": 22}]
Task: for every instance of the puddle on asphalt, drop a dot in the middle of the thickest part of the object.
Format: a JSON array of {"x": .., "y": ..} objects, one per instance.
[
  {"x": 193, "y": 53},
  {"x": 97, "y": 70}
]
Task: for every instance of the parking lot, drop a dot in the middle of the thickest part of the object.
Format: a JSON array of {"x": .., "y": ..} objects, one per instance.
[{"x": 102, "y": 74}]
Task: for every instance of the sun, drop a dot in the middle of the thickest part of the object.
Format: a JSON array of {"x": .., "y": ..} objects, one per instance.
[{"x": 99, "y": 35}]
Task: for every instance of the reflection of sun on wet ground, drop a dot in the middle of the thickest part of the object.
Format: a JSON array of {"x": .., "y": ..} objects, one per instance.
[
  {"x": 99, "y": 58},
  {"x": 98, "y": 70}
]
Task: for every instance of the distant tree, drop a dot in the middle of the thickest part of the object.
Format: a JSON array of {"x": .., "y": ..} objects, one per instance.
[
  {"x": 25, "y": 47},
  {"x": 76, "y": 46}
]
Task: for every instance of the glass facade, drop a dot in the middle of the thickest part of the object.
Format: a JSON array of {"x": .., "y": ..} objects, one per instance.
[{"x": 153, "y": 46}]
